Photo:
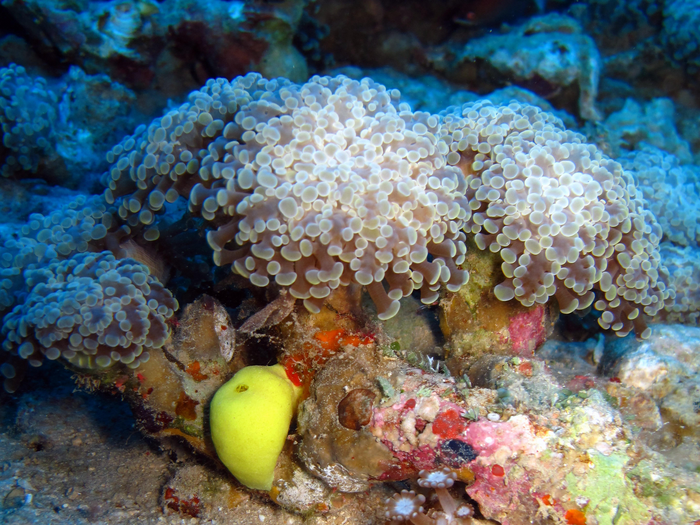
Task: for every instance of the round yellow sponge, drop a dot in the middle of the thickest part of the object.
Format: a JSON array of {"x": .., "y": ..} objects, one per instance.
[{"x": 249, "y": 420}]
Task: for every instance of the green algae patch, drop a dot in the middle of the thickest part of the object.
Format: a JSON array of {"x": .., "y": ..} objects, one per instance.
[
  {"x": 672, "y": 491},
  {"x": 473, "y": 344},
  {"x": 652, "y": 485},
  {"x": 484, "y": 274},
  {"x": 611, "y": 499},
  {"x": 186, "y": 428}
]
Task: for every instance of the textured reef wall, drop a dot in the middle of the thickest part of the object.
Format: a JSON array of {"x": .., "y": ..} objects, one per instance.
[{"x": 435, "y": 251}]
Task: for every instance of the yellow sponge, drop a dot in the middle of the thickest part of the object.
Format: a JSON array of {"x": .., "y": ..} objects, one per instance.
[{"x": 249, "y": 419}]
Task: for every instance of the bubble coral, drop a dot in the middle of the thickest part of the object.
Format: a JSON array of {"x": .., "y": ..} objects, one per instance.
[
  {"x": 441, "y": 480},
  {"x": 564, "y": 217},
  {"x": 62, "y": 296},
  {"x": 335, "y": 182},
  {"x": 682, "y": 274},
  {"x": 314, "y": 186},
  {"x": 80, "y": 226},
  {"x": 671, "y": 191},
  {"x": 27, "y": 117},
  {"x": 91, "y": 310}
]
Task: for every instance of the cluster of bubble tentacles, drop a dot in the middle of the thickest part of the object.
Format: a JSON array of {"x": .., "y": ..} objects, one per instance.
[
  {"x": 314, "y": 186},
  {"x": 567, "y": 221},
  {"x": 64, "y": 294},
  {"x": 334, "y": 182}
]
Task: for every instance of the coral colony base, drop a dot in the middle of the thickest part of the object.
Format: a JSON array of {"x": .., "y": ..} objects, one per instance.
[{"x": 313, "y": 191}]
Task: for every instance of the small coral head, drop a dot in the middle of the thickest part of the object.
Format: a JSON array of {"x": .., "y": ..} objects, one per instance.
[
  {"x": 437, "y": 479},
  {"x": 404, "y": 506},
  {"x": 464, "y": 511},
  {"x": 462, "y": 515}
]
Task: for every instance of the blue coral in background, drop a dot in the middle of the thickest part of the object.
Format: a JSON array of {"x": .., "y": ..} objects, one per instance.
[
  {"x": 28, "y": 118},
  {"x": 59, "y": 131},
  {"x": 92, "y": 310},
  {"x": 61, "y": 296},
  {"x": 671, "y": 191},
  {"x": 680, "y": 30}
]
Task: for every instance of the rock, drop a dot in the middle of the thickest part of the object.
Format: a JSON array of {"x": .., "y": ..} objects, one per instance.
[
  {"x": 474, "y": 322},
  {"x": 343, "y": 457},
  {"x": 522, "y": 443}
]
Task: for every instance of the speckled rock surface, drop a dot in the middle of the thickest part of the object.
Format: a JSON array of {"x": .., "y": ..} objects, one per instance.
[
  {"x": 521, "y": 442},
  {"x": 70, "y": 457}
]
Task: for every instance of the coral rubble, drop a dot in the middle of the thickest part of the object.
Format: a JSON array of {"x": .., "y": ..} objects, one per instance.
[{"x": 518, "y": 457}]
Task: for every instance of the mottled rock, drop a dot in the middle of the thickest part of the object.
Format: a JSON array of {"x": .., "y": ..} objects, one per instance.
[
  {"x": 355, "y": 409},
  {"x": 344, "y": 458},
  {"x": 475, "y": 323}
]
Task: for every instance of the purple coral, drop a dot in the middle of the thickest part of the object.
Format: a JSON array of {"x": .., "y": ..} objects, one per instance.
[{"x": 92, "y": 310}]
